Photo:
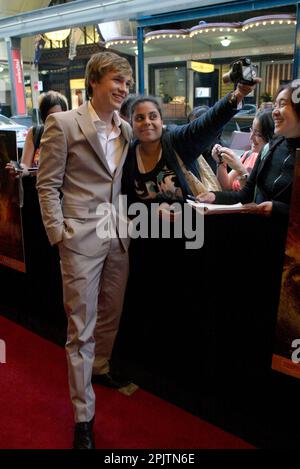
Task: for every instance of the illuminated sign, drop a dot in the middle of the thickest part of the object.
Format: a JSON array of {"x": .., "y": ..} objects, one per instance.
[
  {"x": 201, "y": 67},
  {"x": 19, "y": 83}
]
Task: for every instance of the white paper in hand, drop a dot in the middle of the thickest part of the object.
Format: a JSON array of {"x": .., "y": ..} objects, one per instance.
[{"x": 216, "y": 208}]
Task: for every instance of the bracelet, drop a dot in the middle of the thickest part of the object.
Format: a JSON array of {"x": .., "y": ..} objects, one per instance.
[
  {"x": 232, "y": 99},
  {"x": 243, "y": 177}
]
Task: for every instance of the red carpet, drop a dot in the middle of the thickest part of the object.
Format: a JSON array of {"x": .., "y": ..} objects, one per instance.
[{"x": 36, "y": 412}]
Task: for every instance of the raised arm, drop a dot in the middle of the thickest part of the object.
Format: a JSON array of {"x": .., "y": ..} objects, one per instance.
[{"x": 190, "y": 140}]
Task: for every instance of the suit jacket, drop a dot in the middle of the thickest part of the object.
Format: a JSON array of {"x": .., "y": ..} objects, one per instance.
[{"x": 73, "y": 165}]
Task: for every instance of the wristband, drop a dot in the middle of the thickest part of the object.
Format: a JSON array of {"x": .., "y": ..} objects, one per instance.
[{"x": 232, "y": 99}]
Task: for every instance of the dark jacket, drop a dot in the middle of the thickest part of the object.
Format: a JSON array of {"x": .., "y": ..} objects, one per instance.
[
  {"x": 270, "y": 180},
  {"x": 187, "y": 140}
]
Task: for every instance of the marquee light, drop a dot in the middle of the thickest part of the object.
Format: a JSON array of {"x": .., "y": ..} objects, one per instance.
[{"x": 206, "y": 30}]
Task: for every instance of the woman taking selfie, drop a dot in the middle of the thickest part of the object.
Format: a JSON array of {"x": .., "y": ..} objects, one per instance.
[{"x": 162, "y": 162}]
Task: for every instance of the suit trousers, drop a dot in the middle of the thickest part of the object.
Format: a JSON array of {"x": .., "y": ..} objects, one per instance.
[{"x": 93, "y": 289}]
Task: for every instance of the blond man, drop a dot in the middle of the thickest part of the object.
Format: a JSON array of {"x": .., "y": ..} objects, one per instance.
[{"x": 82, "y": 156}]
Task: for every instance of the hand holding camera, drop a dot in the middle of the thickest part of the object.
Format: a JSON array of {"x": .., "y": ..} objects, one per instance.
[
  {"x": 241, "y": 71},
  {"x": 17, "y": 169},
  {"x": 217, "y": 153},
  {"x": 231, "y": 159},
  {"x": 244, "y": 74},
  {"x": 15, "y": 166},
  {"x": 13, "y": 169}
]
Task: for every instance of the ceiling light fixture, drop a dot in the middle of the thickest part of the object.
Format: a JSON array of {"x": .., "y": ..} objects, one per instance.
[{"x": 226, "y": 42}]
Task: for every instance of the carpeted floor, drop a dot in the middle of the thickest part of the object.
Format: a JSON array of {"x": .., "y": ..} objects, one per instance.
[{"x": 36, "y": 412}]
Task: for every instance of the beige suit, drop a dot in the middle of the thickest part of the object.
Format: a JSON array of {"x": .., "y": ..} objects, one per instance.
[{"x": 94, "y": 270}]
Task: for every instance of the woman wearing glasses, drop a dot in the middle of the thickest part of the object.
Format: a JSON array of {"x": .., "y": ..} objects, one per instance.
[
  {"x": 268, "y": 188},
  {"x": 261, "y": 133}
]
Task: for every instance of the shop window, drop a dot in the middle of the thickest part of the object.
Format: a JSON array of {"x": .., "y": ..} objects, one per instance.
[
  {"x": 168, "y": 82},
  {"x": 276, "y": 73}
]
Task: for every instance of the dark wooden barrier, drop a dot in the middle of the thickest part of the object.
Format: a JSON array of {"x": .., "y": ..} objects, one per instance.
[{"x": 209, "y": 312}]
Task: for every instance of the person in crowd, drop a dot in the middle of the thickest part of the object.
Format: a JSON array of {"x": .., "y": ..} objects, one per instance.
[
  {"x": 38, "y": 249},
  {"x": 269, "y": 186},
  {"x": 125, "y": 110},
  {"x": 261, "y": 133},
  {"x": 49, "y": 103},
  {"x": 173, "y": 150},
  {"x": 197, "y": 112},
  {"x": 207, "y": 152},
  {"x": 160, "y": 171},
  {"x": 82, "y": 156}
]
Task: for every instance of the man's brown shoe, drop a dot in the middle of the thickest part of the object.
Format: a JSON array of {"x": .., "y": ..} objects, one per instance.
[{"x": 110, "y": 381}]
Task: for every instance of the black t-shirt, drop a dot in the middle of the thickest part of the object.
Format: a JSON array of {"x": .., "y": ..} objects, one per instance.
[{"x": 160, "y": 183}]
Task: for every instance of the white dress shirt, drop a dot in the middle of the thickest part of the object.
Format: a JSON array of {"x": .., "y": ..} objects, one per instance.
[{"x": 112, "y": 144}]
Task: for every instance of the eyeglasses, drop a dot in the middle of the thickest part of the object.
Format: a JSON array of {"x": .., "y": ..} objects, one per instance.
[{"x": 256, "y": 133}]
